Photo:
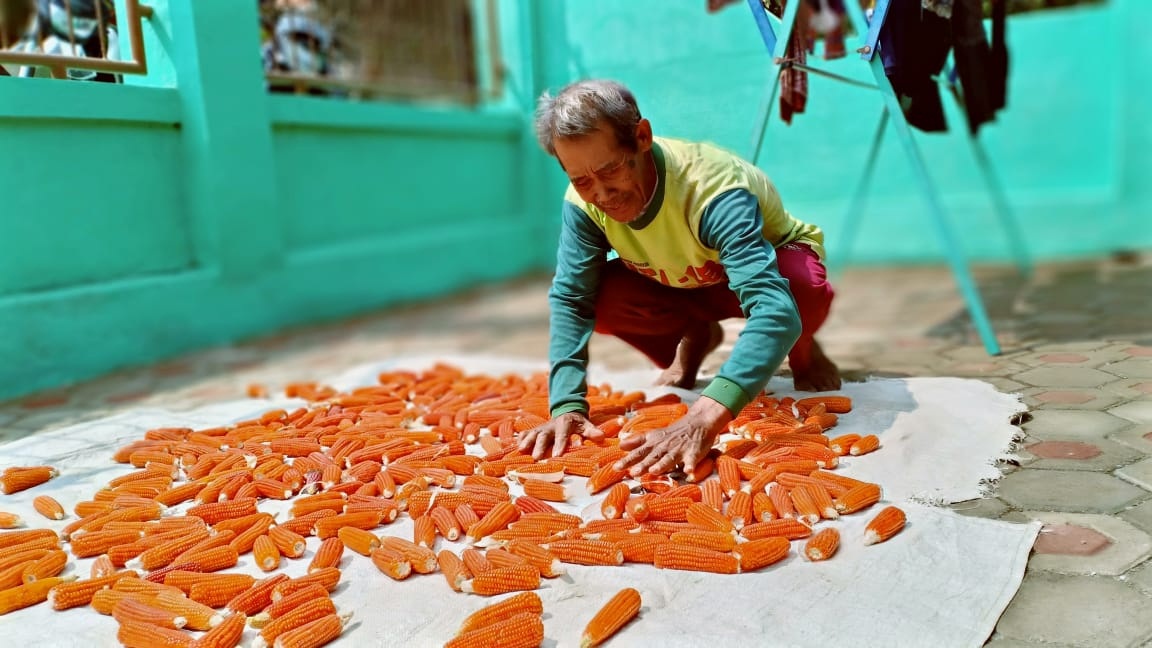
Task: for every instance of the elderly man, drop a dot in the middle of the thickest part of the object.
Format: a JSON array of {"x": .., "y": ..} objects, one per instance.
[{"x": 700, "y": 236}]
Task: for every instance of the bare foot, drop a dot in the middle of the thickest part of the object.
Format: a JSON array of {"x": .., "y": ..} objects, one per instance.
[
  {"x": 694, "y": 347},
  {"x": 821, "y": 374}
]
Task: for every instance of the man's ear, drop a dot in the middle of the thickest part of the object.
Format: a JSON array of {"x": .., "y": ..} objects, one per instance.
[{"x": 643, "y": 136}]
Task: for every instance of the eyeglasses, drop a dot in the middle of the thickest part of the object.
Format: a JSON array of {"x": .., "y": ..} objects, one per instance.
[{"x": 606, "y": 173}]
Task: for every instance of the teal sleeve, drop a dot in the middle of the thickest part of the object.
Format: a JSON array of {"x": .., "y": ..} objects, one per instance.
[
  {"x": 732, "y": 225},
  {"x": 580, "y": 257}
]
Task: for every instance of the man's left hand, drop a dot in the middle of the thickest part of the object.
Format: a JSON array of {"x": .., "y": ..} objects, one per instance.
[{"x": 683, "y": 443}]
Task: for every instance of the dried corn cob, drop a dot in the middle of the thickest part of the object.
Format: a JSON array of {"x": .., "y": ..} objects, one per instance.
[
  {"x": 714, "y": 540},
  {"x": 804, "y": 503},
  {"x": 391, "y": 562},
  {"x": 48, "y": 507},
  {"x": 285, "y": 605},
  {"x": 704, "y": 516},
  {"x": 756, "y": 554},
  {"x": 762, "y": 509},
  {"x": 423, "y": 559},
  {"x": 865, "y": 445},
  {"x": 604, "y": 477},
  {"x": 257, "y": 597},
  {"x": 220, "y": 539},
  {"x": 215, "y": 559},
  {"x": 834, "y": 404},
  {"x": 475, "y": 561},
  {"x": 104, "y": 601},
  {"x": 842, "y": 444},
  {"x": 740, "y": 509},
  {"x": 523, "y": 630},
  {"x": 186, "y": 580},
  {"x": 616, "y": 613},
  {"x": 782, "y": 501},
  {"x": 712, "y": 494},
  {"x": 501, "y": 515},
  {"x": 305, "y": 525},
  {"x": 790, "y": 528},
  {"x": 822, "y": 545},
  {"x": 670, "y": 555},
  {"x": 146, "y": 635},
  {"x": 328, "y": 527},
  {"x": 887, "y": 523},
  {"x": 424, "y": 531},
  {"x": 314, "y": 634},
  {"x": 299, "y": 616},
  {"x": 225, "y": 635},
  {"x": 329, "y": 553},
  {"x": 143, "y": 587},
  {"x": 613, "y": 505},
  {"x": 500, "y": 558},
  {"x": 132, "y": 610},
  {"x": 74, "y": 594},
  {"x": 95, "y": 543},
  {"x": 358, "y": 540},
  {"x": 289, "y": 543},
  {"x": 214, "y": 512},
  {"x": 539, "y": 557},
  {"x": 858, "y": 498},
  {"x": 265, "y": 554},
  {"x": 445, "y": 522},
  {"x": 729, "y": 473},
  {"x": 49, "y": 565},
  {"x": 640, "y": 547},
  {"x": 466, "y": 516},
  {"x": 102, "y": 566},
  {"x": 586, "y": 552},
  {"x": 10, "y": 520},
  {"x": 453, "y": 568},
  {"x": 197, "y": 615},
  {"x": 522, "y": 603},
  {"x": 14, "y": 480},
  {"x": 20, "y": 597},
  {"x": 217, "y": 594},
  {"x": 501, "y": 581}
]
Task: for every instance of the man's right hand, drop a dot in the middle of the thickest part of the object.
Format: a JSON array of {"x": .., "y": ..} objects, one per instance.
[{"x": 555, "y": 433}]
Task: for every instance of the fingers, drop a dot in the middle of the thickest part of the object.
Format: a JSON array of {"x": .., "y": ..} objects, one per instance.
[
  {"x": 667, "y": 463},
  {"x": 560, "y": 440},
  {"x": 631, "y": 458},
  {"x": 691, "y": 456},
  {"x": 592, "y": 432},
  {"x": 632, "y": 441},
  {"x": 543, "y": 438},
  {"x": 655, "y": 456},
  {"x": 527, "y": 438}
]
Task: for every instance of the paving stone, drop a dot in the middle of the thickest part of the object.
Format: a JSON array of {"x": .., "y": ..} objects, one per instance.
[
  {"x": 1138, "y": 437},
  {"x": 1139, "y": 473},
  {"x": 1067, "y": 490},
  {"x": 1090, "y": 399},
  {"x": 1078, "y": 610},
  {"x": 1137, "y": 411},
  {"x": 989, "y": 508},
  {"x": 1067, "y": 358},
  {"x": 1099, "y": 455},
  {"x": 1072, "y": 424},
  {"x": 1079, "y": 346},
  {"x": 1139, "y": 352},
  {"x": 1006, "y": 385},
  {"x": 1133, "y": 368},
  {"x": 1130, "y": 388},
  {"x": 1049, "y": 376},
  {"x": 1072, "y": 543},
  {"x": 1141, "y": 577},
  {"x": 1140, "y": 515}
]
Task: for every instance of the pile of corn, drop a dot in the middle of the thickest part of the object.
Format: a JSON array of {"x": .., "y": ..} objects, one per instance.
[{"x": 439, "y": 446}]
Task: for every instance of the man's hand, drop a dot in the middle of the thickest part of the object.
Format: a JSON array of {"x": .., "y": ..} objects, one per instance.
[
  {"x": 683, "y": 443},
  {"x": 555, "y": 433}
]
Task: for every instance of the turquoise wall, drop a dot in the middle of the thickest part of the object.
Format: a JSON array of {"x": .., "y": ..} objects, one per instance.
[
  {"x": 1074, "y": 147},
  {"x": 190, "y": 207}
]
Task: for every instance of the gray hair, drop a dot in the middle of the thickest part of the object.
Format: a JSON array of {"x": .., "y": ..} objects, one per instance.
[{"x": 579, "y": 108}]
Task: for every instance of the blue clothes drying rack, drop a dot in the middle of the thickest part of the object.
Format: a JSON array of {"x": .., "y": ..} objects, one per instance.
[{"x": 776, "y": 38}]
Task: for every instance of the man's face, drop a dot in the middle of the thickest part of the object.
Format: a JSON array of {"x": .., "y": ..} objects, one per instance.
[{"x": 606, "y": 174}]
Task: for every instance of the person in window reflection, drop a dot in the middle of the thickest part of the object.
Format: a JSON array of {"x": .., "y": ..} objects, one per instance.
[
  {"x": 699, "y": 235},
  {"x": 80, "y": 28},
  {"x": 298, "y": 44}
]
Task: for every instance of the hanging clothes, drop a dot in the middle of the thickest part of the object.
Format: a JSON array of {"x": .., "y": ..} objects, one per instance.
[{"x": 914, "y": 46}]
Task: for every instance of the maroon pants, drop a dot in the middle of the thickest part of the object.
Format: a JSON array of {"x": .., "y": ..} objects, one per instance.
[{"x": 653, "y": 317}]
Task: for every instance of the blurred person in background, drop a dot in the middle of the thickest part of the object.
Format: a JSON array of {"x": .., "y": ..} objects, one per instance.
[
  {"x": 73, "y": 28},
  {"x": 699, "y": 235}
]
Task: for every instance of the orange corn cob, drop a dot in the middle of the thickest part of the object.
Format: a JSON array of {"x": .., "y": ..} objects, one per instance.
[
  {"x": 265, "y": 554},
  {"x": 615, "y": 614},
  {"x": 453, "y": 568},
  {"x": 46, "y": 567},
  {"x": 104, "y": 601},
  {"x": 215, "y": 512},
  {"x": 301, "y": 615},
  {"x": 134, "y": 634},
  {"x": 257, "y": 597},
  {"x": 243, "y": 542},
  {"x": 842, "y": 444},
  {"x": 220, "y": 539},
  {"x": 13, "y": 575},
  {"x": 217, "y": 594},
  {"x": 539, "y": 557},
  {"x": 306, "y": 524},
  {"x": 807, "y": 511},
  {"x": 545, "y": 523},
  {"x": 285, "y": 605},
  {"x": 604, "y": 477},
  {"x": 740, "y": 509},
  {"x": 865, "y": 445},
  {"x": 102, "y": 566},
  {"x": 329, "y": 553},
  {"x": 445, "y": 522},
  {"x": 529, "y": 504},
  {"x": 704, "y": 516},
  {"x": 466, "y": 516},
  {"x": 640, "y": 547},
  {"x": 313, "y": 634},
  {"x": 358, "y": 540},
  {"x": 858, "y": 498},
  {"x": 782, "y": 501},
  {"x": 48, "y": 507},
  {"x": 729, "y": 472},
  {"x": 74, "y": 594},
  {"x": 500, "y": 558},
  {"x": 225, "y": 635},
  {"x": 522, "y": 603},
  {"x": 790, "y": 528},
  {"x": 197, "y": 615},
  {"x": 887, "y": 523},
  {"x": 215, "y": 559},
  {"x": 547, "y": 491},
  {"x": 185, "y": 580},
  {"x": 423, "y": 559},
  {"x": 714, "y": 540},
  {"x": 822, "y": 545},
  {"x": 14, "y": 538},
  {"x": 289, "y": 543},
  {"x": 9, "y": 520},
  {"x": 318, "y": 502},
  {"x": 834, "y": 404},
  {"x": 586, "y": 552},
  {"x": 594, "y": 528},
  {"x": 670, "y": 555},
  {"x": 424, "y": 531},
  {"x": 142, "y": 587},
  {"x": 669, "y": 509},
  {"x": 762, "y": 509},
  {"x": 14, "y": 480},
  {"x": 501, "y": 515},
  {"x": 95, "y": 543},
  {"x": 524, "y": 630},
  {"x": 328, "y": 578},
  {"x": 756, "y": 554},
  {"x": 501, "y": 581},
  {"x": 391, "y": 562},
  {"x": 131, "y": 610},
  {"x": 475, "y": 561},
  {"x": 328, "y": 527},
  {"x": 712, "y": 494},
  {"x": 179, "y": 494},
  {"x": 22, "y": 596},
  {"x": 691, "y": 491},
  {"x": 613, "y": 505}
]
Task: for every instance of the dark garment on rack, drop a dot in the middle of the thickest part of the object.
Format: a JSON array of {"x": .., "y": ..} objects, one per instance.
[{"x": 914, "y": 46}]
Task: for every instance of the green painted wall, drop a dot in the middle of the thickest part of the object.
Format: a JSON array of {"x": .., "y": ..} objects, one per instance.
[
  {"x": 191, "y": 208},
  {"x": 1073, "y": 148}
]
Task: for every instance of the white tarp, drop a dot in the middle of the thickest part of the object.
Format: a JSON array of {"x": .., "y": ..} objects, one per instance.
[{"x": 944, "y": 581}]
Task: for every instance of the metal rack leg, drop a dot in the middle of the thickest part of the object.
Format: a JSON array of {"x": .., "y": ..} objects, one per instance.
[{"x": 855, "y": 212}]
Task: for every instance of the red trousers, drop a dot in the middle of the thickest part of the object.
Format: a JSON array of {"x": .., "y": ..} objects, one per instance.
[{"x": 653, "y": 317}]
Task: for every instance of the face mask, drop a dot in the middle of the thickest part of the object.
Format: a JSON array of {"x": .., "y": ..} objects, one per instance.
[{"x": 82, "y": 28}]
